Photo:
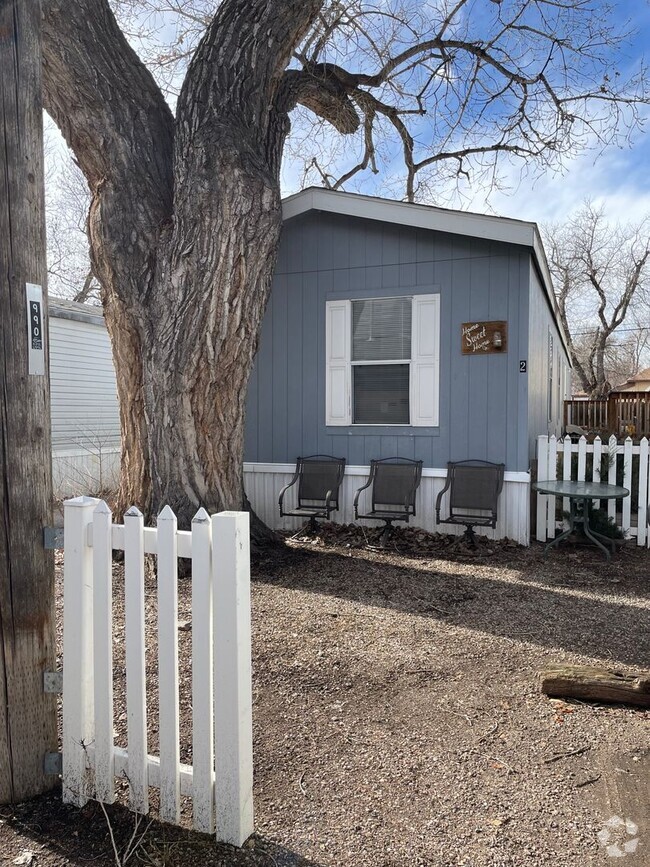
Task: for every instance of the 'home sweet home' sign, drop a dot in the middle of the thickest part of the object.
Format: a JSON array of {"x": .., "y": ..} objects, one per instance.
[{"x": 480, "y": 338}]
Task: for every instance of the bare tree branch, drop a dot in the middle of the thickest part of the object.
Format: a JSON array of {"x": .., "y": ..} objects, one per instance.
[{"x": 601, "y": 273}]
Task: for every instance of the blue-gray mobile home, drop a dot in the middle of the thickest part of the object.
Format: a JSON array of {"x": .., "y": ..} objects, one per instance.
[
  {"x": 392, "y": 330},
  {"x": 408, "y": 330}
]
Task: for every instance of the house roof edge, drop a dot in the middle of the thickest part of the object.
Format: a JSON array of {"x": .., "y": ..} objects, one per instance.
[{"x": 432, "y": 217}]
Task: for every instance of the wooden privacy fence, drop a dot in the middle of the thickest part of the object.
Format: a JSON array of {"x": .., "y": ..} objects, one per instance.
[
  {"x": 220, "y": 778},
  {"x": 611, "y": 462},
  {"x": 621, "y": 413}
]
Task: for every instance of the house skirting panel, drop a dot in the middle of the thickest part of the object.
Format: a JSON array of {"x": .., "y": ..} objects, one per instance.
[
  {"x": 264, "y": 481},
  {"x": 77, "y": 471}
]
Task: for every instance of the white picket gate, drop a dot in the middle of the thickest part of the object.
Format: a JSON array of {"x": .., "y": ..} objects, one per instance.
[
  {"x": 220, "y": 779},
  {"x": 636, "y": 466}
]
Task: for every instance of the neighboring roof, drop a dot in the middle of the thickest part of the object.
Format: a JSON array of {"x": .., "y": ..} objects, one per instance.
[
  {"x": 59, "y": 308},
  {"x": 639, "y": 382},
  {"x": 465, "y": 223}
]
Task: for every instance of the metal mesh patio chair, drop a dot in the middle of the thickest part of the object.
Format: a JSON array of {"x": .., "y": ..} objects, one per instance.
[
  {"x": 319, "y": 478},
  {"x": 474, "y": 488},
  {"x": 394, "y": 484}
]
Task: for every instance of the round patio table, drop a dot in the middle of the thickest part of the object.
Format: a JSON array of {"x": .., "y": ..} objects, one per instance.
[{"x": 582, "y": 492}]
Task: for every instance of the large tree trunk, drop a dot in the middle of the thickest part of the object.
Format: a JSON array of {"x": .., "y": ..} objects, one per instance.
[
  {"x": 184, "y": 228},
  {"x": 202, "y": 344}
]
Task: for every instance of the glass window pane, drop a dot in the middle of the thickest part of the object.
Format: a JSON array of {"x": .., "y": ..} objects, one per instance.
[
  {"x": 381, "y": 394},
  {"x": 381, "y": 329}
]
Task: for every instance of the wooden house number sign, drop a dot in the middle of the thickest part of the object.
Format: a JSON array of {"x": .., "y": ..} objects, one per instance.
[{"x": 481, "y": 338}]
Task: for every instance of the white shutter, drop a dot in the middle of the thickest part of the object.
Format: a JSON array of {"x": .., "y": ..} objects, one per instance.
[
  {"x": 425, "y": 360},
  {"x": 337, "y": 375}
]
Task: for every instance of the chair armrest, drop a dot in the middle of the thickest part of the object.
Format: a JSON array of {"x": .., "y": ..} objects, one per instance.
[
  {"x": 357, "y": 495},
  {"x": 285, "y": 489},
  {"x": 328, "y": 497}
]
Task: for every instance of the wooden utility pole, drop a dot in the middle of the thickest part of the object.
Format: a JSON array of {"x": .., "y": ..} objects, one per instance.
[{"x": 27, "y": 634}]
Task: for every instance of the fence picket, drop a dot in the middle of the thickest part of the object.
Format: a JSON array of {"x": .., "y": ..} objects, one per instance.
[
  {"x": 232, "y": 676},
  {"x": 627, "y": 483},
  {"x": 168, "y": 726},
  {"x": 552, "y": 474},
  {"x": 202, "y": 700},
  {"x": 78, "y": 723},
  {"x": 642, "y": 506},
  {"x": 567, "y": 448},
  {"x": 103, "y": 647},
  {"x": 136, "y": 694},
  {"x": 582, "y": 458},
  {"x": 595, "y": 469},
  {"x": 542, "y": 499},
  {"x": 611, "y": 474}
]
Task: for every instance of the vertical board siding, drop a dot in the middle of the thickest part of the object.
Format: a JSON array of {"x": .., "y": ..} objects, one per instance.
[
  {"x": 482, "y": 407},
  {"x": 629, "y": 461},
  {"x": 540, "y": 321},
  {"x": 263, "y": 484},
  {"x": 82, "y": 384}
]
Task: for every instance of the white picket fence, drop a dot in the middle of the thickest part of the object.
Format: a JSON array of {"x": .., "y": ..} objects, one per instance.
[
  {"x": 220, "y": 779},
  {"x": 550, "y": 449}
]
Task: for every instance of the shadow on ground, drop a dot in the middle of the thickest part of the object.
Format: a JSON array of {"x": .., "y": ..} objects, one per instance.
[
  {"x": 498, "y": 596},
  {"x": 55, "y": 833}
]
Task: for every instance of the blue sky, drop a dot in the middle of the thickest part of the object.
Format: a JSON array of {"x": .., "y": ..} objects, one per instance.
[{"x": 618, "y": 179}]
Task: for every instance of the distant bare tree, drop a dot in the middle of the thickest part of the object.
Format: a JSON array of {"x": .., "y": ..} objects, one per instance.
[
  {"x": 602, "y": 279},
  {"x": 67, "y": 200}
]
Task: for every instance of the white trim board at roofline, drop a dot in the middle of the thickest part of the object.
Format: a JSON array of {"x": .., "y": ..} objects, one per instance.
[
  {"x": 427, "y": 472},
  {"x": 490, "y": 228}
]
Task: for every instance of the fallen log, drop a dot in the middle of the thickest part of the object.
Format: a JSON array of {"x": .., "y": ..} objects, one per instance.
[{"x": 597, "y": 684}]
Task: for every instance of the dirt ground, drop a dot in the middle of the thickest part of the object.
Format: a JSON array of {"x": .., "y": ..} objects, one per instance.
[{"x": 398, "y": 718}]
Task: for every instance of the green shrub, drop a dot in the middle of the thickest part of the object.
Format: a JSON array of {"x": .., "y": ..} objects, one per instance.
[{"x": 599, "y": 522}]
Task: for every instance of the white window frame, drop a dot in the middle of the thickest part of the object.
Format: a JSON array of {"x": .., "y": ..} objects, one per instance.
[{"x": 424, "y": 363}]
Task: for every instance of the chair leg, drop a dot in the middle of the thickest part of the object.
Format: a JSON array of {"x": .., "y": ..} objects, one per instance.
[
  {"x": 313, "y": 526},
  {"x": 470, "y": 535},
  {"x": 385, "y": 534}
]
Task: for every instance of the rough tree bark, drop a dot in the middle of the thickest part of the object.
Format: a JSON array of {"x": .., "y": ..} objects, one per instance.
[
  {"x": 167, "y": 276},
  {"x": 27, "y": 639}
]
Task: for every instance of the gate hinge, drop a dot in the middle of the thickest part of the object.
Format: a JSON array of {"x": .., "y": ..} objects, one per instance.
[
  {"x": 53, "y": 681},
  {"x": 53, "y": 764},
  {"x": 52, "y": 538}
]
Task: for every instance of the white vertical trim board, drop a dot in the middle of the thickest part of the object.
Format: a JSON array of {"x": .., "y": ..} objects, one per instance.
[
  {"x": 263, "y": 481},
  {"x": 338, "y": 343},
  {"x": 425, "y": 361}
]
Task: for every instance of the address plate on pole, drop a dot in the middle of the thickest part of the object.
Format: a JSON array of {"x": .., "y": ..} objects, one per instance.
[{"x": 35, "y": 329}]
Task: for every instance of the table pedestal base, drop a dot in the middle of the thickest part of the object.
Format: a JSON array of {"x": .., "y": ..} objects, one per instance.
[{"x": 575, "y": 518}]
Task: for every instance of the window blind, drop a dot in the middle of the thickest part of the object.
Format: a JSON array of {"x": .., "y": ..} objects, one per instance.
[
  {"x": 381, "y": 394},
  {"x": 381, "y": 329}
]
